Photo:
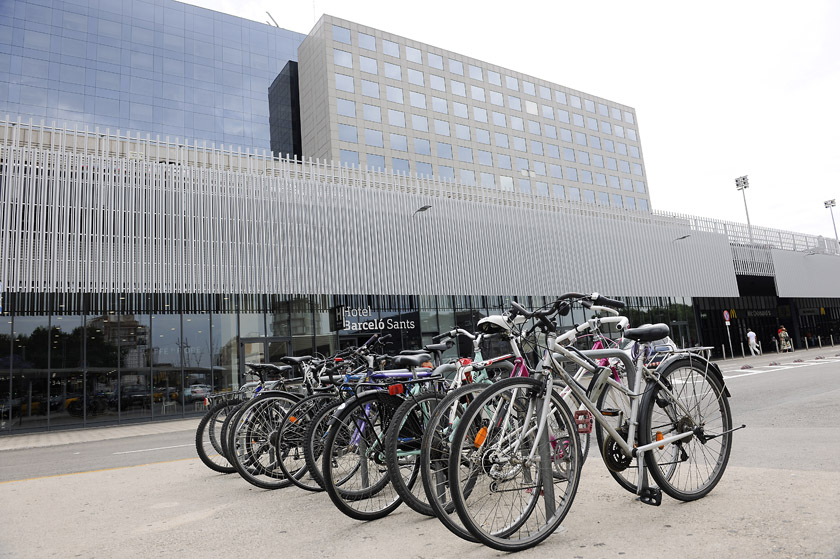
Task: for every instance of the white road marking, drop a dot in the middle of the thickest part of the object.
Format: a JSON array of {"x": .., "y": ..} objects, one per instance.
[
  {"x": 774, "y": 368},
  {"x": 151, "y": 449}
]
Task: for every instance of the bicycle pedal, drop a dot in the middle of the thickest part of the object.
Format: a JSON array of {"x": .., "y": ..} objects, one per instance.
[
  {"x": 610, "y": 412},
  {"x": 583, "y": 420},
  {"x": 651, "y": 496}
]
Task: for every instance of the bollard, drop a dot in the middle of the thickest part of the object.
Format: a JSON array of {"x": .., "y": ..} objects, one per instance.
[
  {"x": 742, "y": 350},
  {"x": 723, "y": 347},
  {"x": 760, "y": 351},
  {"x": 806, "y": 343},
  {"x": 819, "y": 341},
  {"x": 832, "y": 339},
  {"x": 775, "y": 341}
]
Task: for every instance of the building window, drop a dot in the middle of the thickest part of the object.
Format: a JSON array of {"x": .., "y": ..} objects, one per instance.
[
  {"x": 569, "y": 154},
  {"x": 488, "y": 180},
  {"x": 341, "y": 35},
  {"x": 603, "y": 199},
  {"x": 522, "y": 165},
  {"x": 583, "y": 157},
  {"x": 580, "y": 138},
  {"x": 560, "y": 97},
  {"x": 531, "y": 108},
  {"x": 605, "y": 127},
  {"x": 444, "y": 151},
  {"x": 602, "y": 110},
  {"x": 485, "y": 158},
  {"x": 456, "y": 67},
  {"x": 514, "y": 103},
  {"x": 643, "y": 204},
  {"x": 616, "y": 201},
  {"x": 415, "y": 77},
  {"x": 566, "y": 135},
  {"x": 552, "y": 151},
  {"x": 394, "y": 94},
  {"x": 396, "y": 118},
  {"x": 519, "y": 144},
  {"x": 571, "y": 174},
  {"x": 534, "y": 128},
  {"x": 612, "y": 164},
  {"x": 563, "y": 116},
  {"x": 342, "y": 58},
  {"x": 600, "y": 179},
  {"x": 529, "y": 88},
  {"x": 370, "y": 89},
  {"x": 465, "y": 154},
  {"x": 437, "y": 82},
  {"x": 592, "y": 123},
  {"x": 512, "y": 83},
  {"x": 630, "y": 202},
  {"x": 618, "y": 131},
  {"x": 556, "y": 171},
  {"x": 344, "y": 83},
  {"x": 503, "y": 161},
  {"x": 501, "y": 140},
  {"x": 390, "y": 48},
  {"x": 367, "y": 42},
  {"x": 497, "y": 99},
  {"x": 536, "y": 147},
  {"x": 574, "y": 194},
  {"x": 525, "y": 186},
  {"x": 615, "y": 113},
  {"x": 506, "y": 183},
  {"x": 621, "y": 148},
  {"x": 558, "y": 191},
  {"x": 609, "y": 146},
  {"x": 345, "y": 107},
  {"x": 477, "y": 93},
  {"x": 634, "y": 151},
  {"x": 422, "y": 146},
  {"x": 479, "y": 114},
  {"x": 517, "y": 123},
  {"x": 423, "y": 169},
  {"x": 372, "y": 113},
  {"x": 400, "y": 166},
  {"x": 631, "y": 134},
  {"x": 499, "y": 119},
  {"x": 640, "y": 186},
  {"x": 349, "y": 157},
  {"x": 441, "y": 127},
  {"x": 368, "y": 65},
  {"x": 458, "y": 88},
  {"x": 418, "y": 100},
  {"x": 446, "y": 172},
  {"x": 462, "y": 132},
  {"x": 413, "y": 55},
  {"x": 589, "y": 105},
  {"x": 399, "y": 142},
  {"x": 636, "y": 169},
  {"x": 628, "y": 117},
  {"x": 542, "y": 188},
  {"x": 460, "y": 110},
  {"x": 375, "y": 161},
  {"x": 494, "y": 78},
  {"x": 589, "y": 196},
  {"x": 627, "y": 184},
  {"x": 577, "y": 120},
  {"x": 613, "y": 182},
  {"x": 550, "y": 132},
  {"x": 374, "y": 138},
  {"x": 624, "y": 166},
  {"x": 347, "y": 133},
  {"x": 393, "y": 71},
  {"x": 597, "y": 161},
  {"x": 467, "y": 177},
  {"x": 435, "y": 61},
  {"x": 420, "y": 123},
  {"x": 575, "y": 101},
  {"x": 539, "y": 168}
]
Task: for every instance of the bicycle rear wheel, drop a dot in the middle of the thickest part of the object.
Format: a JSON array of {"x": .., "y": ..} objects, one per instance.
[
  {"x": 616, "y": 406},
  {"x": 290, "y": 447},
  {"x": 402, "y": 448},
  {"x": 507, "y": 498},
  {"x": 695, "y": 400},
  {"x": 208, "y": 443},
  {"x": 434, "y": 456},
  {"x": 353, "y": 461},
  {"x": 254, "y": 436},
  {"x": 313, "y": 441}
]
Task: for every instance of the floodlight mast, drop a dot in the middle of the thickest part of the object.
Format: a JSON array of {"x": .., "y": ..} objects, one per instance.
[
  {"x": 743, "y": 183},
  {"x": 830, "y": 205}
]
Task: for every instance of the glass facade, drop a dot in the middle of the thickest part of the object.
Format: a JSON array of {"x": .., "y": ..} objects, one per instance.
[
  {"x": 146, "y": 66},
  {"x": 81, "y": 360}
]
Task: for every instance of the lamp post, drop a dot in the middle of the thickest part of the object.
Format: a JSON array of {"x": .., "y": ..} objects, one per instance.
[
  {"x": 742, "y": 183},
  {"x": 830, "y": 204}
]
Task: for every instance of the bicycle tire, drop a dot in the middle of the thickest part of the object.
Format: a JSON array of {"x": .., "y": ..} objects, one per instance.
[
  {"x": 313, "y": 442},
  {"x": 290, "y": 448},
  {"x": 695, "y": 400},
  {"x": 403, "y": 445},
  {"x": 624, "y": 470},
  {"x": 207, "y": 442},
  {"x": 353, "y": 460},
  {"x": 434, "y": 456},
  {"x": 253, "y": 438},
  {"x": 225, "y": 431},
  {"x": 499, "y": 469}
]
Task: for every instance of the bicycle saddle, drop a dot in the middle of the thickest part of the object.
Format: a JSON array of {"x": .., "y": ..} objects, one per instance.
[
  {"x": 648, "y": 333},
  {"x": 411, "y": 360},
  {"x": 295, "y": 360}
]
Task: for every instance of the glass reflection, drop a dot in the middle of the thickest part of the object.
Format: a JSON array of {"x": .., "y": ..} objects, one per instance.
[
  {"x": 102, "y": 380},
  {"x": 30, "y": 398},
  {"x": 136, "y": 353}
]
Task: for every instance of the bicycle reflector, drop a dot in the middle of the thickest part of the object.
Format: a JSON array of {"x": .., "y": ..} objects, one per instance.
[
  {"x": 480, "y": 437},
  {"x": 659, "y": 437},
  {"x": 292, "y": 419},
  {"x": 395, "y": 389},
  {"x": 464, "y": 361}
]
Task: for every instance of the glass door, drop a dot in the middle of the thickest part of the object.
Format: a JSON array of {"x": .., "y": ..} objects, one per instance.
[{"x": 262, "y": 350}]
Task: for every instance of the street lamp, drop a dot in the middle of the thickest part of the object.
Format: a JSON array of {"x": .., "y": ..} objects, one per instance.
[
  {"x": 830, "y": 204},
  {"x": 742, "y": 183}
]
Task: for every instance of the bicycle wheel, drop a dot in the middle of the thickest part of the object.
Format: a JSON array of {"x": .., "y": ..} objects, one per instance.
[
  {"x": 313, "y": 441},
  {"x": 208, "y": 444},
  {"x": 695, "y": 400},
  {"x": 615, "y": 405},
  {"x": 290, "y": 453},
  {"x": 402, "y": 448},
  {"x": 253, "y": 438},
  {"x": 224, "y": 432},
  {"x": 512, "y": 489},
  {"x": 434, "y": 456},
  {"x": 353, "y": 461}
]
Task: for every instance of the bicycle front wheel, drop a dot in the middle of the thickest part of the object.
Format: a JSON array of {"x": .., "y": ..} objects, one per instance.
[
  {"x": 512, "y": 483},
  {"x": 693, "y": 400}
]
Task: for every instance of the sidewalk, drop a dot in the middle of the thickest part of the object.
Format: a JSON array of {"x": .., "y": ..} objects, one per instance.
[
  {"x": 773, "y": 357},
  {"x": 91, "y": 434}
]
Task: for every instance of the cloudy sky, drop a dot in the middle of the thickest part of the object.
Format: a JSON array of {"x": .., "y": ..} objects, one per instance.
[{"x": 721, "y": 88}]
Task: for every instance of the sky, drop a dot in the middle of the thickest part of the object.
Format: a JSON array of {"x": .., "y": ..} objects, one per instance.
[{"x": 721, "y": 89}]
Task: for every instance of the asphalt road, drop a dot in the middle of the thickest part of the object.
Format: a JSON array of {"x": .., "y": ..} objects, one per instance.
[{"x": 148, "y": 495}]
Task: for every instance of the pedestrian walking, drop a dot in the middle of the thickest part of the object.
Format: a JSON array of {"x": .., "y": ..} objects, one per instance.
[{"x": 751, "y": 337}]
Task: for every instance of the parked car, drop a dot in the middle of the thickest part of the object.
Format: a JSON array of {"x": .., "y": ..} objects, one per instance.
[{"x": 197, "y": 392}]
